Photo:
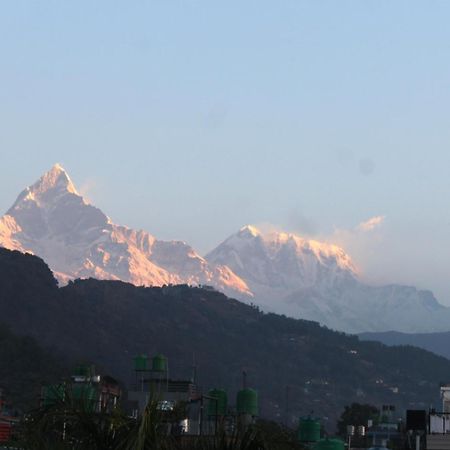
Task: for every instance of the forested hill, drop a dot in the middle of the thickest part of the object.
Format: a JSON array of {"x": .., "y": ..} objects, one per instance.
[
  {"x": 108, "y": 322},
  {"x": 24, "y": 367},
  {"x": 433, "y": 342}
]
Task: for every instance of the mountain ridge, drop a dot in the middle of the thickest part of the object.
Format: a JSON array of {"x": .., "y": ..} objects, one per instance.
[
  {"x": 280, "y": 272},
  {"x": 319, "y": 282},
  {"x": 78, "y": 240},
  {"x": 432, "y": 342}
]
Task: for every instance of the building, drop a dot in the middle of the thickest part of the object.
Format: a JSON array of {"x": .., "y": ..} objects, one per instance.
[
  {"x": 152, "y": 383},
  {"x": 97, "y": 393},
  {"x": 7, "y": 420},
  {"x": 200, "y": 414}
]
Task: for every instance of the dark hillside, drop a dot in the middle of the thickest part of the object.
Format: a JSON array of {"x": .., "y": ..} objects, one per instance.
[
  {"x": 433, "y": 342},
  {"x": 109, "y": 322},
  {"x": 24, "y": 367}
]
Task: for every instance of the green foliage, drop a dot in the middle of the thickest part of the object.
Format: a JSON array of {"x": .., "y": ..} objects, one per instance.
[
  {"x": 149, "y": 432},
  {"x": 279, "y": 437},
  {"x": 356, "y": 414},
  {"x": 69, "y": 423}
]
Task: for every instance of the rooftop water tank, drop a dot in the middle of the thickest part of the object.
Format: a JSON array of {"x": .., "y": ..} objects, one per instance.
[
  {"x": 141, "y": 362},
  {"x": 329, "y": 444},
  {"x": 247, "y": 402},
  {"x": 308, "y": 430},
  {"x": 84, "y": 370},
  {"x": 86, "y": 395},
  {"x": 218, "y": 406},
  {"x": 159, "y": 363}
]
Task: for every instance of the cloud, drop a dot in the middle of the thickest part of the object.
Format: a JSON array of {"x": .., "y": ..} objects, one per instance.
[
  {"x": 362, "y": 242},
  {"x": 299, "y": 223},
  {"x": 371, "y": 224},
  {"x": 87, "y": 189}
]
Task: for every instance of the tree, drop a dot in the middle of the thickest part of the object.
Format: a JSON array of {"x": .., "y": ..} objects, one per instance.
[{"x": 356, "y": 414}]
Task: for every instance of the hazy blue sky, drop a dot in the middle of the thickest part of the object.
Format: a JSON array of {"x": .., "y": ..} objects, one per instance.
[{"x": 193, "y": 118}]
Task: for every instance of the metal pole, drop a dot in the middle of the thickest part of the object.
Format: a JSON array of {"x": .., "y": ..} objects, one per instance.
[
  {"x": 201, "y": 416},
  {"x": 417, "y": 441},
  {"x": 287, "y": 406},
  {"x": 217, "y": 413}
]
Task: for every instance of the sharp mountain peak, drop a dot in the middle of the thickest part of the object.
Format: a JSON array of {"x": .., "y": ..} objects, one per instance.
[
  {"x": 56, "y": 177},
  {"x": 46, "y": 190},
  {"x": 52, "y": 220}
]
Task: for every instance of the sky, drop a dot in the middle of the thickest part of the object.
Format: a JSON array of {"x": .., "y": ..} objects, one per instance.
[{"x": 192, "y": 118}]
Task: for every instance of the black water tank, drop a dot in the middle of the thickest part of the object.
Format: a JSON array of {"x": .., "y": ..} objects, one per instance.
[{"x": 416, "y": 419}]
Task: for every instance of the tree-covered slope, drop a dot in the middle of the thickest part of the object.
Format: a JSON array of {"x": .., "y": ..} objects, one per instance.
[
  {"x": 24, "y": 367},
  {"x": 433, "y": 342},
  {"x": 108, "y": 322}
]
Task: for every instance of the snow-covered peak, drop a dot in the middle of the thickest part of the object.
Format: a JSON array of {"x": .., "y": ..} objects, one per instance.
[
  {"x": 52, "y": 209},
  {"x": 278, "y": 271},
  {"x": 274, "y": 243},
  {"x": 55, "y": 178},
  {"x": 323, "y": 251},
  {"x": 48, "y": 189},
  {"x": 249, "y": 231},
  {"x": 282, "y": 261}
]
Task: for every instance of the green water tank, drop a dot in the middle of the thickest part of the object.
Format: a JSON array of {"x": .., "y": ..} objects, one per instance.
[
  {"x": 141, "y": 362},
  {"x": 84, "y": 392},
  {"x": 329, "y": 444},
  {"x": 84, "y": 370},
  {"x": 159, "y": 363},
  {"x": 86, "y": 395},
  {"x": 308, "y": 430},
  {"x": 218, "y": 406},
  {"x": 247, "y": 402}
]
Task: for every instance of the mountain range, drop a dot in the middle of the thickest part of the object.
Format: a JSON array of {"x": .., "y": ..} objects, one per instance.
[
  {"x": 52, "y": 220},
  {"x": 280, "y": 272},
  {"x": 318, "y": 281}
]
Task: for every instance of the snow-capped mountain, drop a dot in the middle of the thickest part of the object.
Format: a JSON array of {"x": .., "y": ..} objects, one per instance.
[
  {"x": 77, "y": 240},
  {"x": 318, "y": 281},
  {"x": 282, "y": 262},
  {"x": 280, "y": 272}
]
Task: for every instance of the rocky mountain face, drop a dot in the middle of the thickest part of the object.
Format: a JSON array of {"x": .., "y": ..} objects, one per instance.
[
  {"x": 77, "y": 240},
  {"x": 278, "y": 264},
  {"x": 279, "y": 272},
  {"x": 318, "y": 281}
]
